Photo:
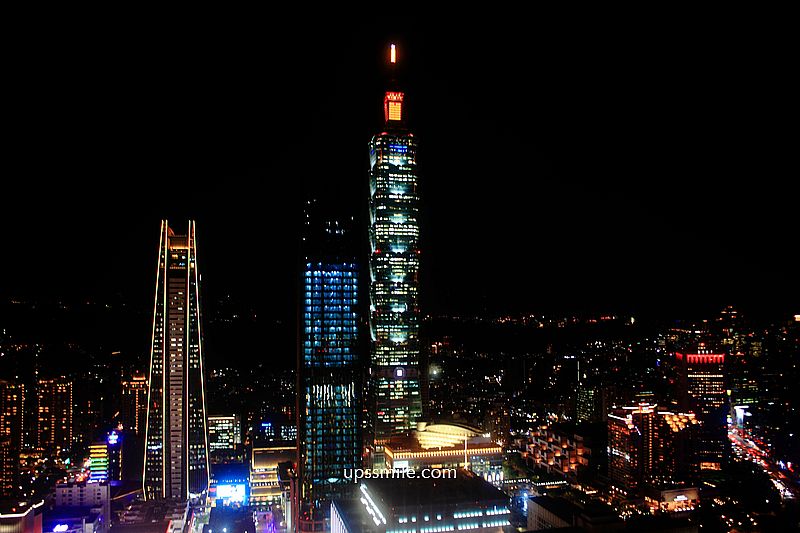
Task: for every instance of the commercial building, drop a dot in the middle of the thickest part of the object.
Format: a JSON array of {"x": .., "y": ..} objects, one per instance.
[
  {"x": 437, "y": 446},
  {"x": 266, "y": 484},
  {"x": 394, "y": 272},
  {"x": 330, "y": 360},
  {"x": 463, "y": 503},
  {"x": 702, "y": 389},
  {"x": 224, "y": 438},
  {"x": 98, "y": 462},
  {"x": 676, "y": 500},
  {"x": 176, "y": 460}
]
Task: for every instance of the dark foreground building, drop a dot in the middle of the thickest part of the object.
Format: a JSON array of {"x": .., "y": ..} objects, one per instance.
[{"x": 464, "y": 503}]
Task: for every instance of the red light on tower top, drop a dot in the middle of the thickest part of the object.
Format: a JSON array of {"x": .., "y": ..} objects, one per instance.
[{"x": 393, "y": 53}]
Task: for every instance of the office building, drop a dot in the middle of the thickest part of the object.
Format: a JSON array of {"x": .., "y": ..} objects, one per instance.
[
  {"x": 224, "y": 438},
  {"x": 394, "y": 272},
  {"x": 54, "y": 413},
  {"x": 133, "y": 408},
  {"x": 702, "y": 389},
  {"x": 330, "y": 358},
  {"x": 176, "y": 448}
]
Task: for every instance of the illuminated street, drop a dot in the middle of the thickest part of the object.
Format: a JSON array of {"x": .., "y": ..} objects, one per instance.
[{"x": 749, "y": 447}]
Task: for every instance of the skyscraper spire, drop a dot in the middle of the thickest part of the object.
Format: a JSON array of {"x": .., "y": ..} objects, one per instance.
[{"x": 393, "y": 98}]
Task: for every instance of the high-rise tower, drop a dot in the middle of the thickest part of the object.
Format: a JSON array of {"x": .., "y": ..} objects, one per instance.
[
  {"x": 331, "y": 358},
  {"x": 702, "y": 388},
  {"x": 394, "y": 265},
  {"x": 133, "y": 408},
  {"x": 176, "y": 447},
  {"x": 54, "y": 416}
]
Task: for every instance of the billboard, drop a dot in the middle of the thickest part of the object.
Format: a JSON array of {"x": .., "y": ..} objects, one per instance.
[{"x": 232, "y": 493}]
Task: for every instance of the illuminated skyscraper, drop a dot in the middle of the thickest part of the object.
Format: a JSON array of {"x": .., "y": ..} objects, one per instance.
[
  {"x": 12, "y": 409},
  {"x": 650, "y": 446},
  {"x": 133, "y": 411},
  {"x": 55, "y": 409},
  {"x": 176, "y": 446},
  {"x": 394, "y": 265},
  {"x": 701, "y": 382},
  {"x": 12, "y": 412},
  {"x": 331, "y": 355}
]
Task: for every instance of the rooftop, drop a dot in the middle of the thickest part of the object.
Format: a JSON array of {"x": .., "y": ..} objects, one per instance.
[{"x": 404, "y": 492}]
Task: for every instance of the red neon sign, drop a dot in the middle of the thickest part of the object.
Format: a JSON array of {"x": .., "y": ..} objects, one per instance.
[{"x": 703, "y": 358}]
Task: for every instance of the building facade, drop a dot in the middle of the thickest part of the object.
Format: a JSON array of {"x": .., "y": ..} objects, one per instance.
[
  {"x": 133, "y": 408},
  {"x": 394, "y": 268},
  {"x": 12, "y": 416},
  {"x": 92, "y": 495},
  {"x": 176, "y": 447},
  {"x": 650, "y": 446},
  {"x": 702, "y": 389},
  {"x": 557, "y": 452},
  {"x": 54, "y": 414},
  {"x": 224, "y": 436},
  {"x": 331, "y": 354}
]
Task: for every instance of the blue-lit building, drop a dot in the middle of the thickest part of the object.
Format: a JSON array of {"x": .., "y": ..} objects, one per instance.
[
  {"x": 394, "y": 266},
  {"x": 330, "y": 360}
]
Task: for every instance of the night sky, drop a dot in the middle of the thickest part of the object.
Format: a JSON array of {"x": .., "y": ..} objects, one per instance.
[{"x": 566, "y": 164}]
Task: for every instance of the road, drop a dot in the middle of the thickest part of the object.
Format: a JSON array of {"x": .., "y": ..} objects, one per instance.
[{"x": 749, "y": 447}]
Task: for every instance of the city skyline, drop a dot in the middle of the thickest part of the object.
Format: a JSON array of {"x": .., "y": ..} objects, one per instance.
[{"x": 555, "y": 290}]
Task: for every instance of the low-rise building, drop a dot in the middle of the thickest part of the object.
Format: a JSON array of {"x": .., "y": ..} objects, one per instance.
[
  {"x": 265, "y": 483},
  {"x": 84, "y": 519},
  {"x": 557, "y": 452},
  {"x": 465, "y": 502},
  {"x": 83, "y": 495},
  {"x": 16, "y": 517},
  {"x": 447, "y": 446}
]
